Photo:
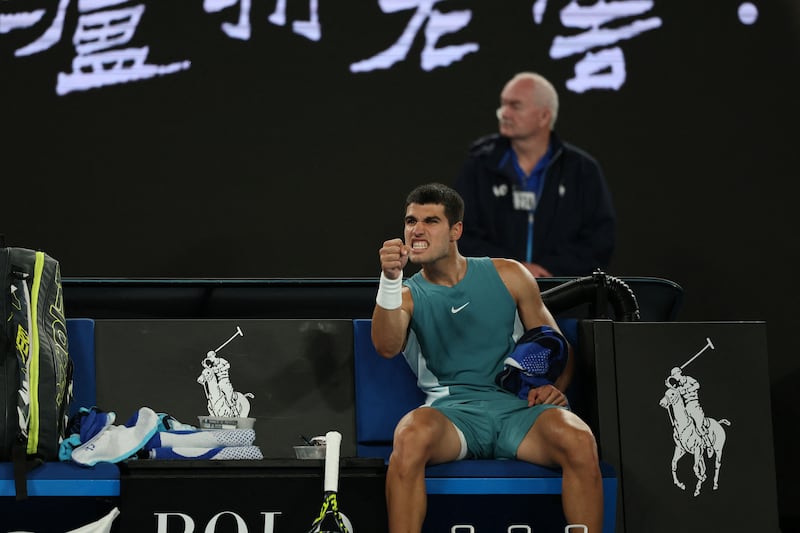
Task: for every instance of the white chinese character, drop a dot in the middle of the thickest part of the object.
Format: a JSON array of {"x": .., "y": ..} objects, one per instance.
[
  {"x": 604, "y": 69},
  {"x": 437, "y": 24},
  {"x": 101, "y": 60}
]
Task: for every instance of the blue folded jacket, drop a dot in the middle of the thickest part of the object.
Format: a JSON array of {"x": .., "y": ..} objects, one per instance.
[{"x": 538, "y": 359}]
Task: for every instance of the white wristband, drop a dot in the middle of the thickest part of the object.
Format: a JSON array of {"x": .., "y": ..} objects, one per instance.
[{"x": 390, "y": 292}]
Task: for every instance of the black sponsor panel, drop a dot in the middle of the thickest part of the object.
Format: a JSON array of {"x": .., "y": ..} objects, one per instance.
[
  {"x": 296, "y": 375},
  {"x": 663, "y": 373},
  {"x": 269, "y": 496}
]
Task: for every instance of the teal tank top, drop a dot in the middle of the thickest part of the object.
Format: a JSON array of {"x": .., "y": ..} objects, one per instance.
[{"x": 460, "y": 335}]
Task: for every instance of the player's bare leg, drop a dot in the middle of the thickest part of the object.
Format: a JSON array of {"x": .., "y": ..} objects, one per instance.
[
  {"x": 422, "y": 436},
  {"x": 560, "y": 438}
]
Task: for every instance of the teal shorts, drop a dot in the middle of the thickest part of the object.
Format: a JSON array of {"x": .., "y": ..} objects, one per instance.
[{"x": 493, "y": 422}]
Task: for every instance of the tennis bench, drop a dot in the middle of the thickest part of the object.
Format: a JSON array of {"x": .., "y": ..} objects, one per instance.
[
  {"x": 56, "y": 478},
  {"x": 386, "y": 389}
]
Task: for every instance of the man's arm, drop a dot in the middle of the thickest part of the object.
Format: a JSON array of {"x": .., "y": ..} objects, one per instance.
[
  {"x": 392, "y": 313},
  {"x": 533, "y": 313}
]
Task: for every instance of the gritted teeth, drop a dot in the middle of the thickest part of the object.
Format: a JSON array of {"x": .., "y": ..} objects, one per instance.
[{"x": 419, "y": 245}]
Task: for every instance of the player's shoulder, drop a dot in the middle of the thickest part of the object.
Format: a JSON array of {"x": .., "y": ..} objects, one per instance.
[
  {"x": 516, "y": 277},
  {"x": 510, "y": 269}
]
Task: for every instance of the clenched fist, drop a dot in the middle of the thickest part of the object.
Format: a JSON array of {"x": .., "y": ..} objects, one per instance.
[{"x": 394, "y": 257}]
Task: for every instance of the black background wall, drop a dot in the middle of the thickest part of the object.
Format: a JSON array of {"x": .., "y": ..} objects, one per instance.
[{"x": 267, "y": 156}]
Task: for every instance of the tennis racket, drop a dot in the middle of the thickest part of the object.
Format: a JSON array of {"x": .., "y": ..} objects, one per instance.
[{"x": 330, "y": 520}]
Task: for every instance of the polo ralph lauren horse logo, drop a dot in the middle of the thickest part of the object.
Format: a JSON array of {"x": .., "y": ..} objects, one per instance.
[
  {"x": 692, "y": 431},
  {"x": 215, "y": 378}
]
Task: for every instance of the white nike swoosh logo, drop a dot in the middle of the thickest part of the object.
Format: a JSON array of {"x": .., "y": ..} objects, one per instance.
[{"x": 455, "y": 310}]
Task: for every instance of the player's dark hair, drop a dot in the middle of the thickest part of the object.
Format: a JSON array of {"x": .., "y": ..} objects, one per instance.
[{"x": 436, "y": 193}]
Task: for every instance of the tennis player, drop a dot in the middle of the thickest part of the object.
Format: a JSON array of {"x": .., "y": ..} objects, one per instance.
[{"x": 457, "y": 319}]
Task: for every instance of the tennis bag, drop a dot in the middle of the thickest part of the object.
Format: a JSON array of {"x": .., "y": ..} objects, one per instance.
[{"x": 35, "y": 367}]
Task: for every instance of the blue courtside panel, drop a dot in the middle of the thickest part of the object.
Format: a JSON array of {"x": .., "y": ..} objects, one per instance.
[
  {"x": 385, "y": 390},
  {"x": 64, "y": 479},
  {"x": 569, "y": 328},
  {"x": 80, "y": 335},
  {"x": 493, "y": 485}
]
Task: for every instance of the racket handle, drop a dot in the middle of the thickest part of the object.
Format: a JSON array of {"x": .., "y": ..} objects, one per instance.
[{"x": 333, "y": 442}]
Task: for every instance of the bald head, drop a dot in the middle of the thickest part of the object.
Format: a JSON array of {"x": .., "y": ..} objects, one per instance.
[{"x": 544, "y": 94}]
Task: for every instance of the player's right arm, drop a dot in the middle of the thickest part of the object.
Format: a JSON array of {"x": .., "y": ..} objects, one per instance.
[{"x": 390, "y": 325}]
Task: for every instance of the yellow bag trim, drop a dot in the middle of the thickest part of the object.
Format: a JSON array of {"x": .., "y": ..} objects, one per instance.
[{"x": 33, "y": 429}]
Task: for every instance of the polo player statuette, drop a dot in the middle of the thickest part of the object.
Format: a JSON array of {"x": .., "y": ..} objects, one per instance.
[{"x": 223, "y": 400}]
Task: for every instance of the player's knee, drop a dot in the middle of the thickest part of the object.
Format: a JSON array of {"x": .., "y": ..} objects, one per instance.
[
  {"x": 571, "y": 440},
  {"x": 580, "y": 447},
  {"x": 408, "y": 455},
  {"x": 413, "y": 438},
  {"x": 413, "y": 441}
]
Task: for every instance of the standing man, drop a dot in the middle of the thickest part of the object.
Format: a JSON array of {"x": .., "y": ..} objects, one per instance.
[
  {"x": 531, "y": 197},
  {"x": 457, "y": 319}
]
